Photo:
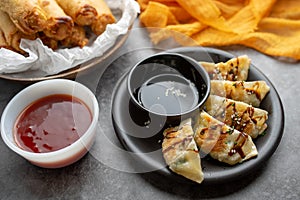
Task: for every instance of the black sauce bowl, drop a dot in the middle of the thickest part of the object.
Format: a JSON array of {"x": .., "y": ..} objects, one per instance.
[{"x": 162, "y": 65}]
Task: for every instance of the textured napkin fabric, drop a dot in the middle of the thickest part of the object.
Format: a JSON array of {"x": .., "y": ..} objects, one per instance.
[{"x": 269, "y": 26}]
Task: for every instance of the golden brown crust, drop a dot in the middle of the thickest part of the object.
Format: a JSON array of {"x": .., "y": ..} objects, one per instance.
[
  {"x": 49, "y": 42},
  {"x": 11, "y": 34},
  {"x": 235, "y": 69},
  {"x": 81, "y": 11},
  {"x": 222, "y": 142},
  {"x": 175, "y": 140},
  {"x": 252, "y": 92},
  {"x": 77, "y": 38},
  {"x": 3, "y": 43},
  {"x": 239, "y": 115},
  {"x": 181, "y": 153},
  {"x": 104, "y": 17},
  {"x": 27, "y": 15},
  {"x": 59, "y": 25},
  {"x": 53, "y": 21}
]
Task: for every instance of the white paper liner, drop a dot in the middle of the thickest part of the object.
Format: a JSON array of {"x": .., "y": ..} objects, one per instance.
[{"x": 49, "y": 62}]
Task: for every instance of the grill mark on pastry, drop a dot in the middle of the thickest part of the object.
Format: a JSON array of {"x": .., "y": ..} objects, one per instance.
[
  {"x": 213, "y": 127},
  {"x": 202, "y": 132},
  {"x": 254, "y": 121},
  {"x": 250, "y": 111},
  {"x": 166, "y": 135},
  {"x": 237, "y": 61},
  {"x": 258, "y": 95},
  {"x": 183, "y": 141},
  {"x": 233, "y": 73},
  {"x": 236, "y": 70},
  {"x": 258, "y": 118},
  {"x": 228, "y": 105}
]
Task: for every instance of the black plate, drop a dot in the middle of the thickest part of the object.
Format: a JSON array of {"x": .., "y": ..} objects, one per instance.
[{"x": 148, "y": 149}]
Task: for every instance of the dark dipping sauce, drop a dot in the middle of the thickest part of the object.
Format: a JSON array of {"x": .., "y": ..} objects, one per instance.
[
  {"x": 51, "y": 123},
  {"x": 168, "y": 94}
]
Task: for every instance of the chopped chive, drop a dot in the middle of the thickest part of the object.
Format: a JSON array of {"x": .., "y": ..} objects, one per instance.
[{"x": 263, "y": 133}]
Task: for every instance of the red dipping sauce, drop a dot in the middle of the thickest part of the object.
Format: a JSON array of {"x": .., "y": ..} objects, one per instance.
[{"x": 51, "y": 123}]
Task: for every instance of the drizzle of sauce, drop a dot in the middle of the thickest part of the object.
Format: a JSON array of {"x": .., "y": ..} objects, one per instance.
[
  {"x": 239, "y": 143},
  {"x": 182, "y": 142},
  {"x": 51, "y": 123},
  {"x": 254, "y": 90},
  {"x": 239, "y": 120},
  {"x": 202, "y": 132},
  {"x": 167, "y": 136}
]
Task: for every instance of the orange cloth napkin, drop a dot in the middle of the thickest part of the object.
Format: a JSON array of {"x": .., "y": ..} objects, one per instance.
[{"x": 271, "y": 26}]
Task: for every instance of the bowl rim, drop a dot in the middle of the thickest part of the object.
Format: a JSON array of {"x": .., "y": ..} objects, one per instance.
[
  {"x": 26, "y": 154},
  {"x": 199, "y": 68}
]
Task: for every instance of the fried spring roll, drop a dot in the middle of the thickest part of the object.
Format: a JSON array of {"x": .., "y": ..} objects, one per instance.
[
  {"x": 59, "y": 24},
  {"x": 81, "y": 11},
  {"x": 104, "y": 17},
  {"x": 77, "y": 38},
  {"x": 3, "y": 43},
  {"x": 49, "y": 42},
  {"x": 27, "y": 15},
  {"x": 11, "y": 33}
]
